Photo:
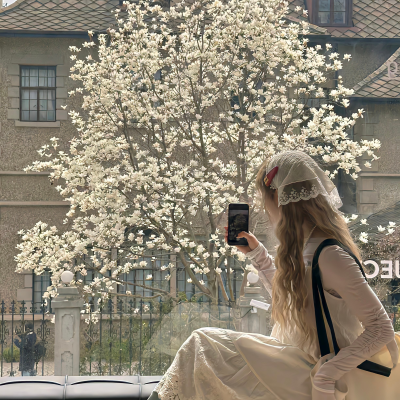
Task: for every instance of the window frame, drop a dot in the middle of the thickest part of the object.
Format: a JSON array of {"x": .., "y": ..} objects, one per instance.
[
  {"x": 348, "y": 14},
  {"x": 42, "y": 290},
  {"x": 37, "y": 88}
]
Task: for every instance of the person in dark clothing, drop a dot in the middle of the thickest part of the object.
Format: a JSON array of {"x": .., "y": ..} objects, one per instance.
[{"x": 26, "y": 346}]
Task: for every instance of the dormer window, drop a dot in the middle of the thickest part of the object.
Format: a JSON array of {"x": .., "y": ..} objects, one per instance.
[{"x": 332, "y": 12}]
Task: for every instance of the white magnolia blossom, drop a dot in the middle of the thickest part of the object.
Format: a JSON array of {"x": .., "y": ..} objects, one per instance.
[
  {"x": 390, "y": 229},
  {"x": 363, "y": 237},
  {"x": 169, "y": 154},
  {"x": 251, "y": 268}
]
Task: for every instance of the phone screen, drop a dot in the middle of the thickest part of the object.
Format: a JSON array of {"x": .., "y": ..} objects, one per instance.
[{"x": 238, "y": 221}]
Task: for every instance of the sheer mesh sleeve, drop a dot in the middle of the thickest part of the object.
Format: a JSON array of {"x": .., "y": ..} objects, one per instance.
[{"x": 264, "y": 263}]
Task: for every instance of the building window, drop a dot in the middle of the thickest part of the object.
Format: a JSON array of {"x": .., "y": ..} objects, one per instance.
[
  {"x": 40, "y": 284},
  {"x": 157, "y": 77},
  {"x": 347, "y": 189},
  {"x": 311, "y": 101},
  {"x": 332, "y": 12},
  {"x": 155, "y": 260},
  {"x": 38, "y": 93}
]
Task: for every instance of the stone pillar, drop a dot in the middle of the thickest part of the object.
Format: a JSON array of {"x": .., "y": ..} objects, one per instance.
[
  {"x": 67, "y": 306},
  {"x": 253, "y": 320}
]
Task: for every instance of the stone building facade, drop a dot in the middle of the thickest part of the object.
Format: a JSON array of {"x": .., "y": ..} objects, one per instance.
[
  {"x": 370, "y": 32},
  {"x": 34, "y": 34}
]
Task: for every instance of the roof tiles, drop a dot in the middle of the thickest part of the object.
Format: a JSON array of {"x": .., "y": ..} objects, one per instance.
[
  {"x": 379, "y": 19},
  {"x": 382, "y": 83},
  {"x": 58, "y": 15},
  {"x": 382, "y": 217},
  {"x": 371, "y": 19}
]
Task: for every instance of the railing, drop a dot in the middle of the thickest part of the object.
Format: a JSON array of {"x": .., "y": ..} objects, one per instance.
[
  {"x": 123, "y": 338},
  {"x": 21, "y": 348}
]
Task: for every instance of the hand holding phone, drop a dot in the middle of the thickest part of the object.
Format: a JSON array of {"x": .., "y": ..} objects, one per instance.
[
  {"x": 251, "y": 239},
  {"x": 237, "y": 232}
]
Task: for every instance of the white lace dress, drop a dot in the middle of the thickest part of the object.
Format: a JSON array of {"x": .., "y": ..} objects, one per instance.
[{"x": 221, "y": 364}]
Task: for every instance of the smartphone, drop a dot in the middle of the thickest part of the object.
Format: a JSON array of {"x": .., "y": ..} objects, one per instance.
[{"x": 238, "y": 221}]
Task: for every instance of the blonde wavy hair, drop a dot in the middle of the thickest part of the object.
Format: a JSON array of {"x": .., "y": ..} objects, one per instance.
[{"x": 289, "y": 287}]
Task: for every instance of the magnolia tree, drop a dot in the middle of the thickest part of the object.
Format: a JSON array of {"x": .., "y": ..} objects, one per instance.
[{"x": 180, "y": 108}]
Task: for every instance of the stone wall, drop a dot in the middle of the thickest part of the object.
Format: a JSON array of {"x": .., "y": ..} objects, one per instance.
[
  {"x": 28, "y": 198},
  {"x": 378, "y": 186}
]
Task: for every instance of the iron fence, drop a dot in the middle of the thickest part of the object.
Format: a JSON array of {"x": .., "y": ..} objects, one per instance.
[
  {"x": 123, "y": 337},
  {"x": 25, "y": 339}
]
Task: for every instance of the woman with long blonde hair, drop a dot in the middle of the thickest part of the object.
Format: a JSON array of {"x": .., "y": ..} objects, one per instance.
[{"x": 315, "y": 245}]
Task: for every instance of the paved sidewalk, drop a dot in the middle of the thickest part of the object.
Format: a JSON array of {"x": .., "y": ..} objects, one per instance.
[{"x": 48, "y": 369}]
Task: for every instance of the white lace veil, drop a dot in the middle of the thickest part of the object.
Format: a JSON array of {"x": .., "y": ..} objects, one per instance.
[{"x": 300, "y": 178}]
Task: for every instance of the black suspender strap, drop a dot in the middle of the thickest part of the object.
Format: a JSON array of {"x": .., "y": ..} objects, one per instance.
[{"x": 319, "y": 297}]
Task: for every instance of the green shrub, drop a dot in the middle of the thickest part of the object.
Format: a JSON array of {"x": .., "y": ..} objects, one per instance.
[
  {"x": 7, "y": 354},
  {"x": 147, "y": 346},
  {"x": 397, "y": 325}
]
